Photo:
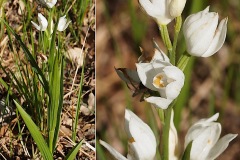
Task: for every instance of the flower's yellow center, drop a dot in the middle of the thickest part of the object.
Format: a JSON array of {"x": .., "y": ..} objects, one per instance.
[
  {"x": 209, "y": 141},
  {"x": 131, "y": 140},
  {"x": 158, "y": 81}
]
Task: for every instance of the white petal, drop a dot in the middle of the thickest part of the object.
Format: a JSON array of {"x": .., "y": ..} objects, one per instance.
[
  {"x": 196, "y": 129},
  {"x": 160, "y": 55},
  {"x": 206, "y": 121},
  {"x": 176, "y": 7},
  {"x": 173, "y": 140},
  {"x": 192, "y": 24},
  {"x": 158, "y": 9},
  {"x": 144, "y": 145},
  {"x": 115, "y": 153},
  {"x": 200, "y": 40},
  {"x": 204, "y": 138},
  {"x": 149, "y": 7},
  {"x": 43, "y": 23},
  {"x": 174, "y": 73},
  {"x": 129, "y": 115},
  {"x": 51, "y": 3},
  {"x": 159, "y": 102},
  {"x": 62, "y": 24},
  {"x": 218, "y": 40},
  {"x": 220, "y": 146},
  {"x": 173, "y": 90},
  {"x": 146, "y": 74},
  {"x": 192, "y": 19},
  {"x": 35, "y": 25}
]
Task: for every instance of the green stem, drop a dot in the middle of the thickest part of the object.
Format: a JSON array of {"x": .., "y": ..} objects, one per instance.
[
  {"x": 167, "y": 41},
  {"x": 161, "y": 115},
  {"x": 183, "y": 61},
  {"x": 165, "y": 36},
  {"x": 75, "y": 121},
  {"x": 162, "y": 34},
  {"x": 165, "y": 136},
  {"x": 176, "y": 33}
]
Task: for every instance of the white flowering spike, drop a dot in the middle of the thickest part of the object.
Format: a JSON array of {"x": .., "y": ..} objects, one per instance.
[
  {"x": 43, "y": 23},
  {"x": 163, "y": 11},
  {"x": 48, "y": 3},
  {"x": 63, "y": 23},
  {"x": 141, "y": 140},
  {"x": 205, "y": 136},
  {"x": 203, "y": 35},
  {"x": 159, "y": 75},
  {"x": 173, "y": 140}
]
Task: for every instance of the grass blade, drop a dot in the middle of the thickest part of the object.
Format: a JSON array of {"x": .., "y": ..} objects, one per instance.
[
  {"x": 36, "y": 134},
  {"x": 30, "y": 58},
  {"x": 72, "y": 154},
  {"x": 186, "y": 154}
]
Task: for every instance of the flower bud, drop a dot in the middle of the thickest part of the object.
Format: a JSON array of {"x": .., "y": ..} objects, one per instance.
[{"x": 203, "y": 35}]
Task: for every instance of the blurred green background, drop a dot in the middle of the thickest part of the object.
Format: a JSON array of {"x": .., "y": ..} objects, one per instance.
[{"x": 212, "y": 84}]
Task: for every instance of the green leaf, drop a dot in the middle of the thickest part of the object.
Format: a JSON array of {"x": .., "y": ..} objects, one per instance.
[
  {"x": 72, "y": 154},
  {"x": 186, "y": 154},
  {"x": 36, "y": 134}
]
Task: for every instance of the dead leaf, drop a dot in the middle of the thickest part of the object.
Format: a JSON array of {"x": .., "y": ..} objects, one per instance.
[{"x": 75, "y": 55}]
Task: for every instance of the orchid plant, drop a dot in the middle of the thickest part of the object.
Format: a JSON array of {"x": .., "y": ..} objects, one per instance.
[{"x": 160, "y": 80}]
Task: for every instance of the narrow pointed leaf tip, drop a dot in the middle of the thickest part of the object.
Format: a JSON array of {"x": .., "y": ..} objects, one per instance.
[{"x": 35, "y": 133}]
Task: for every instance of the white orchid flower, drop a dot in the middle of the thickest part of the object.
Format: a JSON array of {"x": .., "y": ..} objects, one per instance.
[
  {"x": 205, "y": 136},
  {"x": 63, "y": 23},
  {"x": 141, "y": 140},
  {"x": 163, "y": 11},
  {"x": 160, "y": 75},
  {"x": 203, "y": 35},
  {"x": 48, "y": 3},
  {"x": 43, "y": 23}
]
